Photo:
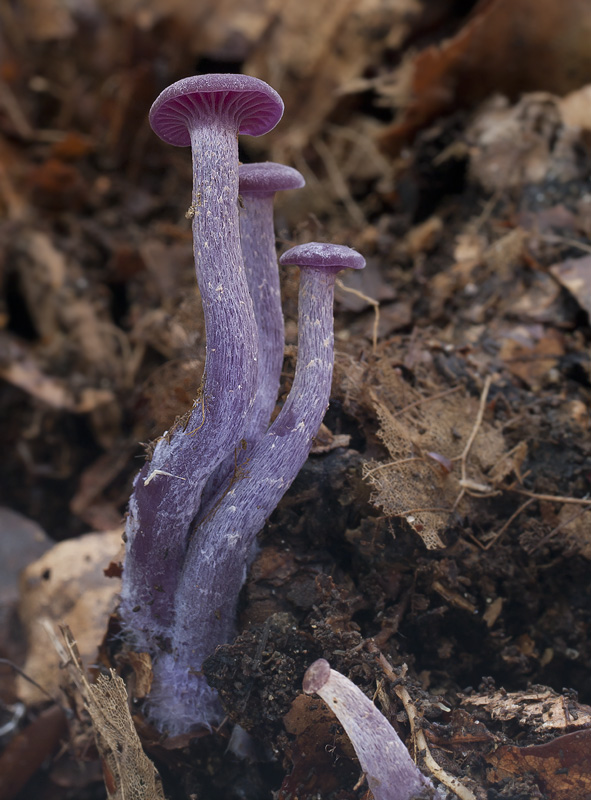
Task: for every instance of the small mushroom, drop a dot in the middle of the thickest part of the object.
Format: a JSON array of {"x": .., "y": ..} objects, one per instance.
[
  {"x": 390, "y": 771},
  {"x": 258, "y": 185},
  {"x": 206, "y": 112}
]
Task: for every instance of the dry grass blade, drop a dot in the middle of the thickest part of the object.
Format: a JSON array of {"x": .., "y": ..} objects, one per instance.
[{"x": 372, "y": 302}]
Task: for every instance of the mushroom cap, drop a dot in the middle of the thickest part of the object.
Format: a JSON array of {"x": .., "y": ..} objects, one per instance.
[
  {"x": 268, "y": 177},
  {"x": 323, "y": 256},
  {"x": 316, "y": 676},
  {"x": 256, "y": 106}
]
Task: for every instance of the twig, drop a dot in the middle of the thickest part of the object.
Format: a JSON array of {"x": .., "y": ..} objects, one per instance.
[
  {"x": 339, "y": 184},
  {"x": 423, "y": 400},
  {"x": 487, "y": 210},
  {"x": 38, "y": 686},
  {"x": 496, "y": 536},
  {"x": 554, "y": 237},
  {"x": 553, "y": 498},
  {"x": 452, "y": 783},
  {"x": 372, "y": 302},
  {"x": 470, "y": 442}
]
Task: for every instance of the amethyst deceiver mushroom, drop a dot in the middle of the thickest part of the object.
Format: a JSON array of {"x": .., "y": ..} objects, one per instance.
[
  {"x": 221, "y": 551},
  {"x": 390, "y": 771},
  {"x": 206, "y": 112}
]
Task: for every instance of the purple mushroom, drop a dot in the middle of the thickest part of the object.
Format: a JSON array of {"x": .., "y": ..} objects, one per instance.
[
  {"x": 221, "y": 550},
  {"x": 206, "y": 112},
  {"x": 390, "y": 771}
]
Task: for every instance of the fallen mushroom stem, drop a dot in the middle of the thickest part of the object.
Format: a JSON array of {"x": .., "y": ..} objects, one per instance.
[{"x": 390, "y": 771}]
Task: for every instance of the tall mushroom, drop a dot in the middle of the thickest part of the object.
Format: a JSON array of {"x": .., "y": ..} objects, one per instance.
[
  {"x": 220, "y": 552},
  {"x": 206, "y": 112}
]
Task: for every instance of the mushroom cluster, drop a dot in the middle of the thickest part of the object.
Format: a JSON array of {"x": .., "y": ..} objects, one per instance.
[{"x": 210, "y": 484}]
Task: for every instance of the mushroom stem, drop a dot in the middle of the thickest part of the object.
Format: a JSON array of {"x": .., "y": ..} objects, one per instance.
[
  {"x": 257, "y": 236},
  {"x": 221, "y": 551},
  {"x": 258, "y": 185},
  {"x": 390, "y": 771},
  {"x": 168, "y": 489}
]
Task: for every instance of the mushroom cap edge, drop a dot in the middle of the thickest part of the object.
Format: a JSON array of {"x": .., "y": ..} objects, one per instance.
[
  {"x": 268, "y": 177},
  {"x": 323, "y": 255},
  {"x": 257, "y": 105}
]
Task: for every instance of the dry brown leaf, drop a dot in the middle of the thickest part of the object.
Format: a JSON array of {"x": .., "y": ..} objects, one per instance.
[
  {"x": 42, "y": 274},
  {"x": 143, "y": 675},
  {"x": 579, "y": 413},
  {"x": 88, "y": 502},
  {"x": 67, "y": 584},
  {"x": 509, "y": 464},
  {"x": 21, "y": 541},
  {"x": 575, "y": 275},
  {"x": 497, "y": 50},
  {"x": 18, "y": 368},
  {"x": 128, "y": 772},
  {"x": 521, "y": 144},
  {"x": 531, "y": 351},
  {"x": 425, "y": 236},
  {"x": 504, "y": 252},
  {"x": 575, "y": 530},
  {"x": 562, "y": 767},
  {"x": 30, "y": 748},
  {"x": 536, "y": 303},
  {"x": 325, "y": 440},
  {"x": 72, "y": 327},
  {"x": 576, "y": 108},
  {"x": 424, "y": 435}
]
